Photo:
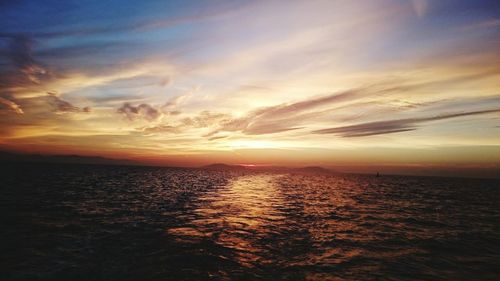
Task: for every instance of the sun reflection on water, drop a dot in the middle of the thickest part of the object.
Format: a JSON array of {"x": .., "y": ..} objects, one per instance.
[{"x": 237, "y": 215}]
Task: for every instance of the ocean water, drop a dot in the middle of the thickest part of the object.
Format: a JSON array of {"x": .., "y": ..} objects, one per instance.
[{"x": 75, "y": 222}]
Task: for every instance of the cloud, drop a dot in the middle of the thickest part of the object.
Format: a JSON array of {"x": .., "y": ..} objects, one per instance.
[
  {"x": 25, "y": 77},
  {"x": 204, "y": 119},
  {"x": 161, "y": 129},
  {"x": 142, "y": 111},
  {"x": 153, "y": 113},
  {"x": 393, "y": 126},
  {"x": 115, "y": 99},
  {"x": 62, "y": 106},
  {"x": 297, "y": 107},
  {"x": 170, "y": 107},
  {"x": 284, "y": 117},
  {"x": 269, "y": 129},
  {"x": 217, "y": 138},
  {"x": 11, "y": 105},
  {"x": 20, "y": 53}
]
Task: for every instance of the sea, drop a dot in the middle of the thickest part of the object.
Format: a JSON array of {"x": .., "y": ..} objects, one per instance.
[{"x": 94, "y": 222}]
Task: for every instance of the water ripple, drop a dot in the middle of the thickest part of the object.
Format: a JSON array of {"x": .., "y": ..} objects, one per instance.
[{"x": 133, "y": 223}]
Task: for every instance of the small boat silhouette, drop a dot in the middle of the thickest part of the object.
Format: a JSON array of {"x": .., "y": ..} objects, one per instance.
[{"x": 378, "y": 175}]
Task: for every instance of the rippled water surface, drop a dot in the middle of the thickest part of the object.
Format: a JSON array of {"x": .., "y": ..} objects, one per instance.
[{"x": 70, "y": 222}]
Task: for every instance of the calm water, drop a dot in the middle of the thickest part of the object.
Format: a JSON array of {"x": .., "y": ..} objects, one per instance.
[{"x": 135, "y": 223}]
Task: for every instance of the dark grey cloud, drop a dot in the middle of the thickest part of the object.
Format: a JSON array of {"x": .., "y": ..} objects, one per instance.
[
  {"x": 62, "y": 106},
  {"x": 22, "y": 70},
  {"x": 152, "y": 113},
  {"x": 20, "y": 53},
  {"x": 393, "y": 126},
  {"x": 142, "y": 111}
]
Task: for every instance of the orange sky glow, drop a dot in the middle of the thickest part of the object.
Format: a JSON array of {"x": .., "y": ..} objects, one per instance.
[{"x": 398, "y": 85}]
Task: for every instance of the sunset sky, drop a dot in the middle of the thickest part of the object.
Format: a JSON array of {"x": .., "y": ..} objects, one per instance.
[{"x": 333, "y": 83}]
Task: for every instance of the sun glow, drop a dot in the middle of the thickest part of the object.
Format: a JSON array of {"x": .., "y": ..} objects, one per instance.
[
  {"x": 252, "y": 144},
  {"x": 287, "y": 87}
]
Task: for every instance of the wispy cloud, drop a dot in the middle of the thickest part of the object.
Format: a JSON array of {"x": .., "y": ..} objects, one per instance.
[
  {"x": 393, "y": 126},
  {"x": 11, "y": 105},
  {"x": 204, "y": 119},
  {"x": 162, "y": 129},
  {"x": 61, "y": 106},
  {"x": 298, "y": 115},
  {"x": 284, "y": 117}
]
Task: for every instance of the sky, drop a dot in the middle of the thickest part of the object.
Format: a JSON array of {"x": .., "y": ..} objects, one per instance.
[{"x": 391, "y": 83}]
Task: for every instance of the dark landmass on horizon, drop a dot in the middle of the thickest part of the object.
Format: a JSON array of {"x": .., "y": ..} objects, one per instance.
[
  {"x": 64, "y": 159},
  {"x": 454, "y": 172}
]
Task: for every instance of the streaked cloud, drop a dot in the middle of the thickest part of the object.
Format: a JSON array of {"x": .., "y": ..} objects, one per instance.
[
  {"x": 61, "y": 106},
  {"x": 280, "y": 118},
  {"x": 11, "y": 105},
  {"x": 394, "y": 126}
]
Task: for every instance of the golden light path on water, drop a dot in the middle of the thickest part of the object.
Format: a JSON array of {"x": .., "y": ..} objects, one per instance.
[
  {"x": 316, "y": 226},
  {"x": 238, "y": 214}
]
